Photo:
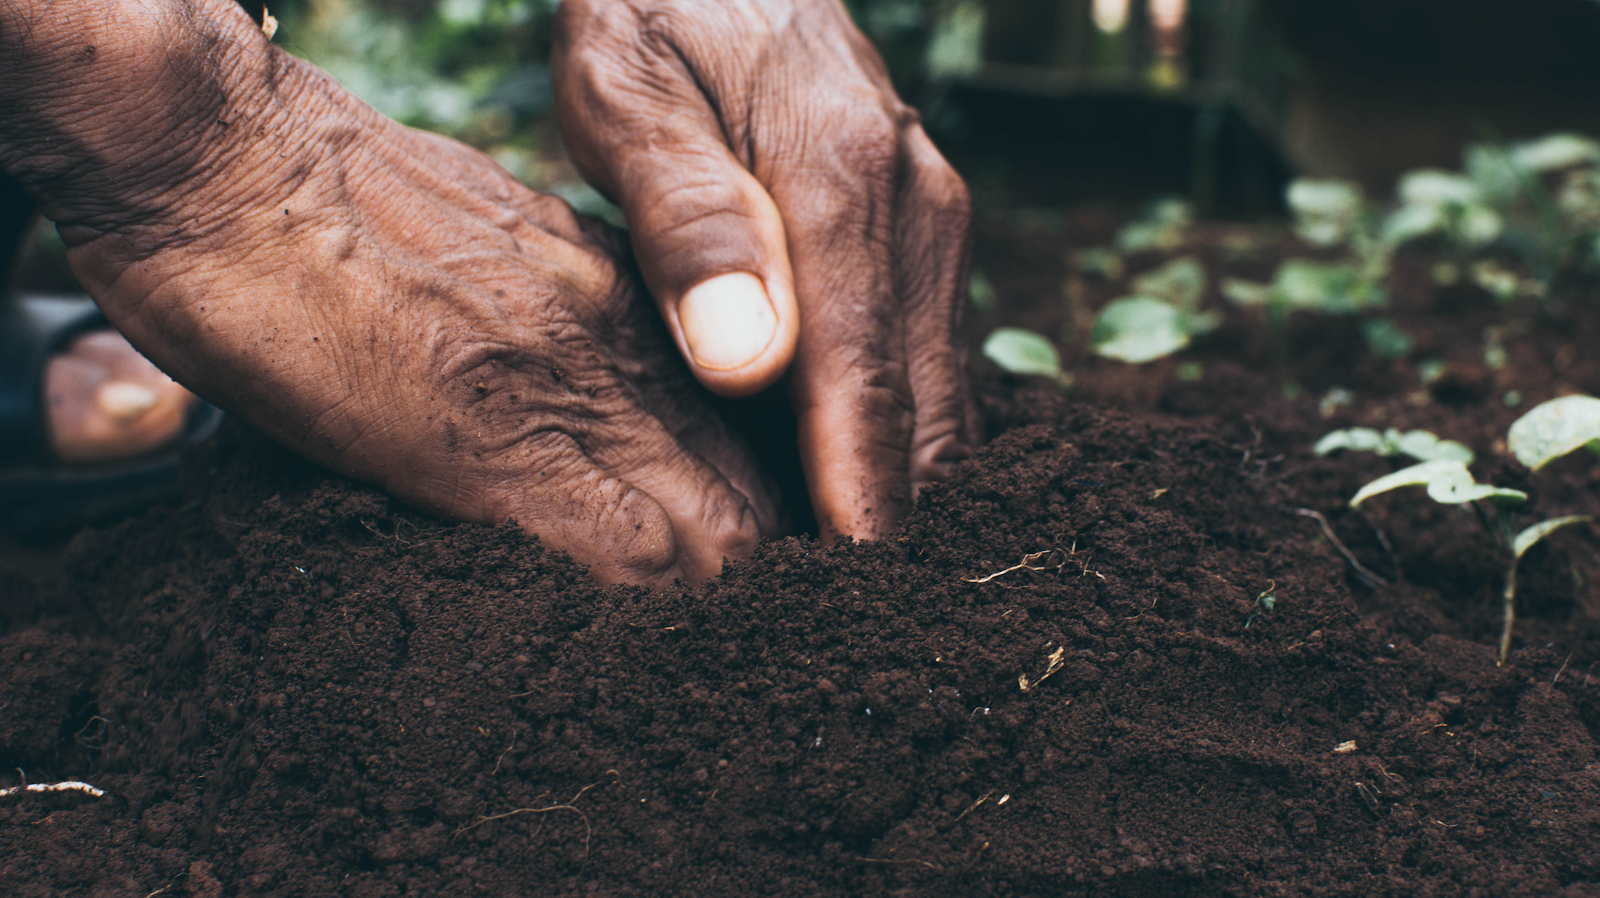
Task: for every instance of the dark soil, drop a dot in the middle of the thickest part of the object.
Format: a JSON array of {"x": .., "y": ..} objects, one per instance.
[{"x": 290, "y": 686}]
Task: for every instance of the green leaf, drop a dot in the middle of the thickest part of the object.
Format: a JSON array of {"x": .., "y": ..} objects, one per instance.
[
  {"x": 1100, "y": 260},
  {"x": 1553, "y": 429},
  {"x": 1419, "y": 444},
  {"x": 1424, "y": 446},
  {"x": 1332, "y": 287},
  {"x": 1434, "y": 187},
  {"x": 1456, "y": 489},
  {"x": 1407, "y": 223},
  {"x": 1246, "y": 293},
  {"x": 1180, "y": 282},
  {"x": 1527, "y": 538},
  {"x": 1326, "y": 211},
  {"x": 1478, "y": 225},
  {"x": 1554, "y": 152},
  {"x": 1023, "y": 352},
  {"x": 1161, "y": 227},
  {"x": 1139, "y": 329},
  {"x": 1356, "y": 439},
  {"x": 1386, "y": 339},
  {"x": 1448, "y": 482},
  {"x": 980, "y": 291}
]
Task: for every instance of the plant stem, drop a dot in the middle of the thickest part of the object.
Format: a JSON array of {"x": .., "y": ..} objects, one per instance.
[{"x": 1510, "y": 598}]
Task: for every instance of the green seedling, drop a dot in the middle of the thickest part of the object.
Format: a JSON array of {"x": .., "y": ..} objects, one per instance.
[
  {"x": 980, "y": 291},
  {"x": 1140, "y": 329},
  {"x": 1163, "y": 226},
  {"x": 1333, "y": 288},
  {"x": 1547, "y": 432},
  {"x": 1022, "y": 351},
  {"x": 1555, "y": 428},
  {"x": 1448, "y": 482},
  {"x": 1329, "y": 288},
  {"x": 1267, "y": 601},
  {"x": 1547, "y": 191},
  {"x": 1327, "y": 212},
  {"x": 1159, "y": 319},
  {"x": 1434, "y": 202},
  {"x": 1419, "y": 444}
]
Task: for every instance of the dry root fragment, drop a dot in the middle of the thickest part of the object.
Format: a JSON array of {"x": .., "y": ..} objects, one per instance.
[
  {"x": 1052, "y": 664},
  {"x": 69, "y": 786}
]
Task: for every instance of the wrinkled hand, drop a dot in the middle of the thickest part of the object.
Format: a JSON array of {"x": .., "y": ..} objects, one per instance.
[
  {"x": 386, "y": 302},
  {"x": 788, "y": 214}
]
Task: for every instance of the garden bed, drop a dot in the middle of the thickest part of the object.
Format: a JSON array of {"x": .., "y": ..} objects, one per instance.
[{"x": 288, "y": 685}]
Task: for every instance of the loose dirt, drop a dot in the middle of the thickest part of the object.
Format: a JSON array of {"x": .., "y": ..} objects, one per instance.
[{"x": 289, "y": 686}]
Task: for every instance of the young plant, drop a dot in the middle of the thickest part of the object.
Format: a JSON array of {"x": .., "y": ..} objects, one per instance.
[
  {"x": 1329, "y": 213},
  {"x": 1547, "y": 432},
  {"x": 1022, "y": 351},
  {"x": 1160, "y": 318},
  {"x": 1419, "y": 444}
]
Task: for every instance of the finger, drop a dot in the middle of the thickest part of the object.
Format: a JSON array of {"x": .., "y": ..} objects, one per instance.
[
  {"x": 849, "y": 382},
  {"x": 709, "y": 240},
  {"x": 625, "y": 497},
  {"x": 932, "y": 247}
]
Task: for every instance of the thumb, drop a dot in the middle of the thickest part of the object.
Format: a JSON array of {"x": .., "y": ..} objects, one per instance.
[
  {"x": 708, "y": 238},
  {"x": 711, "y": 246}
]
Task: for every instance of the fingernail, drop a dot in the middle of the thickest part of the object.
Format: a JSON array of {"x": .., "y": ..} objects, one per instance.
[
  {"x": 727, "y": 321},
  {"x": 125, "y": 402}
]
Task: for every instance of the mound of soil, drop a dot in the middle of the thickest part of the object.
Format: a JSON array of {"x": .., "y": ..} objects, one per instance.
[{"x": 1115, "y": 655}]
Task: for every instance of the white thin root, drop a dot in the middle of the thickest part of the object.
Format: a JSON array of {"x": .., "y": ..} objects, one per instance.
[
  {"x": 69, "y": 786},
  {"x": 1026, "y": 564}
]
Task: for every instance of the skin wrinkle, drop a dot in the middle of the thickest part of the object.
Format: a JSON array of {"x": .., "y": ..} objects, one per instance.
[{"x": 420, "y": 255}]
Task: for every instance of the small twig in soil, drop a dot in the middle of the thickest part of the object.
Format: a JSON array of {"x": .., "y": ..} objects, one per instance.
[
  {"x": 885, "y": 860},
  {"x": 1373, "y": 581},
  {"x": 1369, "y": 794},
  {"x": 1557, "y": 677},
  {"x": 981, "y": 799},
  {"x": 84, "y": 741},
  {"x": 1027, "y": 564},
  {"x": 1055, "y": 558},
  {"x": 1052, "y": 664},
  {"x": 69, "y": 786},
  {"x": 588, "y": 831}
]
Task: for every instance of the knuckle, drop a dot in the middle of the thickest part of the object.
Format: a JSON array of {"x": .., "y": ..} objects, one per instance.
[
  {"x": 863, "y": 131},
  {"x": 949, "y": 195},
  {"x": 645, "y": 547}
]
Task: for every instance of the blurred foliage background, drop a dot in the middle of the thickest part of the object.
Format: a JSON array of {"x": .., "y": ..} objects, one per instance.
[{"x": 1044, "y": 103}]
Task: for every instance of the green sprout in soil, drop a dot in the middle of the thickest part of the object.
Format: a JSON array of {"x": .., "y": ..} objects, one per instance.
[
  {"x": 1419, "y": 444},
  {"x": 1163, "y": 226},
  {"x": 1022, "y": 351},
  {"x": 1267, "y": 601},
  {"x": 1547, "y": 432},
  {"x": 1158, "y": 319}
]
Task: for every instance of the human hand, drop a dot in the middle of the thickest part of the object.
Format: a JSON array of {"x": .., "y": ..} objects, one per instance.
[
  {"x": 386, "y": 302},
  {"x": 788, "y": 214}
]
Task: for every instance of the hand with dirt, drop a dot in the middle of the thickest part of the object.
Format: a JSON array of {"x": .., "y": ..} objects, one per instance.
[
  {"x": 386, "y": 302},
  {"x": 395, "y": 306},
  {"x": 789, "y": 214}
]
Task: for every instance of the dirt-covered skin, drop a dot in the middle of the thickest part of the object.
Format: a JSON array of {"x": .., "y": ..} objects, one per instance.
[
  {"x": 291, "y": 686},
  {"x": 397, "y": 307}
]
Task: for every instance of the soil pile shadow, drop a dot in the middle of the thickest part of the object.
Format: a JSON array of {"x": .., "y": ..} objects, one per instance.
[{"x": 1062, "y": 677}]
